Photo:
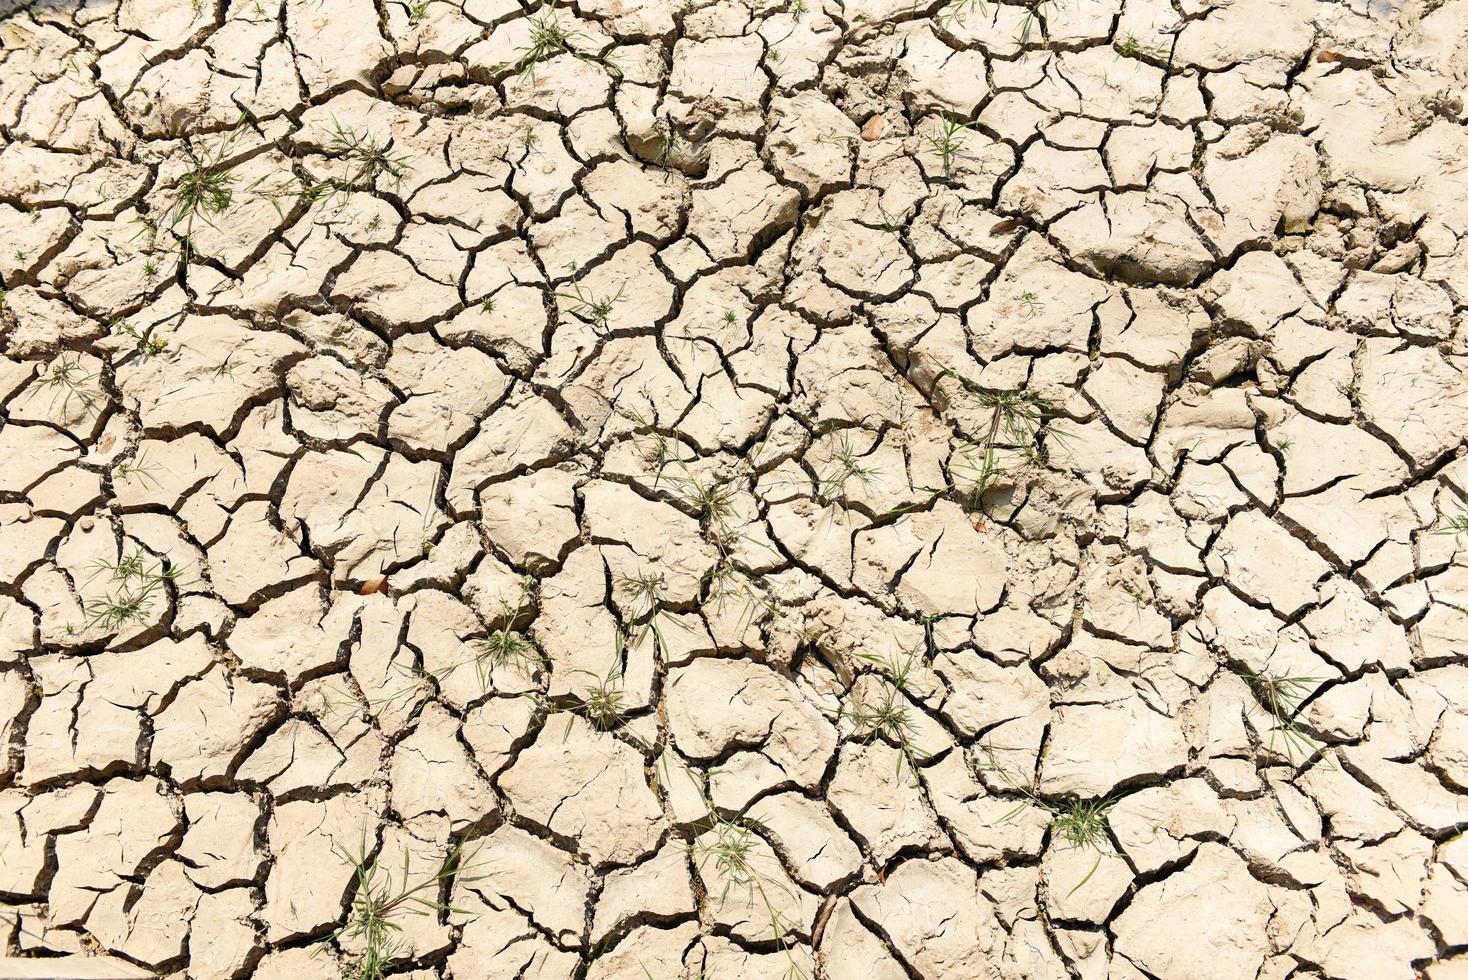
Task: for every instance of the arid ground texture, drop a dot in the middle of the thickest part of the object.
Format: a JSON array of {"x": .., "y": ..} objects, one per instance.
[{"x": 734, "y": 490}]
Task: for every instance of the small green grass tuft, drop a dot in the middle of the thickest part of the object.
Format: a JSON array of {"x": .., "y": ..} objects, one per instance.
[
  {"x": 1082, "y": 824},
  {"x": 1456, "y": 524},
  {"x": 1015, "y": 421},
  {"x": 1281, "y": 696},
  {"x": 72, "y": 384},
  {"x": 947, "y": 140},
  {"x": 143, "y": 340},
  {"x": 842, "y": 465},
  {"x": 134, "y": 583},
  {"x": 595, "y": 310},
  {"x": 379, "y": 902},
  {"x": 888, "y": 715}
]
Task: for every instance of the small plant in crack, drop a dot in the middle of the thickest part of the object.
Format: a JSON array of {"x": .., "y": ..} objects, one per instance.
[
  {"x": 143, "y": 340},
  {"x": 843, "y": 465},
  {"x": 1030, "y": 305},
  {"x": 1130, "y": 47},
  {"x": 645, "y": 599},
  {"x": 138, "y": 468},
  {"x": 1456, "y": 524},
  {"x": 203, "y": 192},
  {"x": 600, "y": 701},
  {"x": 888, "y": 715},
  {"x": 1080, "y": 823},
  {"x": 729, "y": 847},
  {"x": 72, "y": 384},
  {"x": 955, "y": 12},
  {"x": 595, "y": 310},
  {"x": 1015, "y": 420},
  {"x": 548, "y": 38},
  {"x": 668, "y": 151},
  {"x": 947, "y": 140},
  {"x": 505, "y": 648},
  {"x": 895, "y": 225},
  {"x": 366, "y": 159},
  {"x": 1031, "y": 17},
  {"x": 379, "y": 903},
  {"x": 417, "y": 13},
  {"x": 1281, "y": 696},
  {"x": 1083, "y": 825},
  {"x": 798, "y": 9},
  {"x": 134, "y": 583}
]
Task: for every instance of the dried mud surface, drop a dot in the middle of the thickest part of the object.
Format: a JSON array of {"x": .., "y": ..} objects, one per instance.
[{"x": 867, "y": 490}]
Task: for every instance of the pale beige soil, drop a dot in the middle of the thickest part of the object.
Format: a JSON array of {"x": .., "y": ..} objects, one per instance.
[{"x": 665, "y": 366}]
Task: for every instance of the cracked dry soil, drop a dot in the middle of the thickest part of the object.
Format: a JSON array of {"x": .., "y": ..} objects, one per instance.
[{"x": 859, "y": 490}]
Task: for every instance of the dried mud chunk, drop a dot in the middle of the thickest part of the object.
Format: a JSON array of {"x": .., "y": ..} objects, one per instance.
[
  {"x": 1226, "y": 911},
  {"x": 936, "y": 918},
  {"x": 738, "y": 215},
  {"x": 202, "y": 734},
  {"x": 718, "y": 705},
  {"x": 1136, "y": 236},
  {"x": 586, "y": 786},
  {"x": 1094, "y": 747},
  {"x": 877, "y": 794}
]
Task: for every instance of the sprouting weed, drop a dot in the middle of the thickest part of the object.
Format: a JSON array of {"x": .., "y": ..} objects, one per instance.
[
  {"x": 205, "y": 190},
  {"x": 667, "y": 153},
  {"x": 645, "y": 600},
  {"x": 138, "y": 468},
  {"x": 1082, "y": 824},
  {"x": 957, "y": 10},
  {"x": 1350, "y": 391},
  {"x": 378, "y": 903},
  {"x": 895, "y": 225},
  {"x": 150, "y": 267},
  {"x": 416, "y": 13},
  {"x": 72, "y": 383},
  {"x": 600, "y": 701},
  {"x": 1284, "y": 446},
  {"x": 1030, "y": 305},
  {"x": 548, "y": 38},
  {"x": 595, "y": 310},
  {"x": 730, "y": 847},
  {"x": 1030, "y": 18},
  {"x": 487, "y": 304},
  {"x": 1130, "y": 47},
  {"x": 134, "y": 582},
  {"x": 143, "y": 340},
  {"x": 19, "y": 255},
  {"x": 1015, "y": 420},
  {"x": 1456, "y": 524},
  {"x": 368, "y": 161},
  {"x": 843, "y": 465},
  {"x": 775, "y": 55},
  {"x": 888, "y": 715},
  {"x": 947, "y": 140},
  {"x": 226, "y": 367},
  {"x": 798, "y": 9},
  {"x": 506, "y": 648},
  {"x": 1281, "y": 696},
  {"x": 712, "y": 503}
]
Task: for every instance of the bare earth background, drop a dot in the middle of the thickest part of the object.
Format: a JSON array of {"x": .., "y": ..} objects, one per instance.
[{"x": 660, "y": 490}]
